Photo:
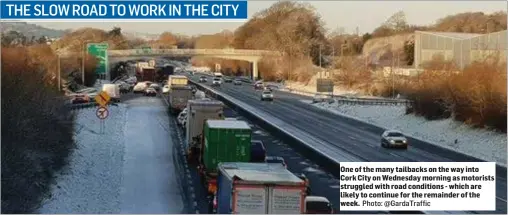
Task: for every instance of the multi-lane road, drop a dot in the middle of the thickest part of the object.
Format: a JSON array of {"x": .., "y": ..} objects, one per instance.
[{"x": 340, "y": 133}]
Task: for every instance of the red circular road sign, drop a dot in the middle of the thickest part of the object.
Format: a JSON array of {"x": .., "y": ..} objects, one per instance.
[{"x": 102, "y": 113}]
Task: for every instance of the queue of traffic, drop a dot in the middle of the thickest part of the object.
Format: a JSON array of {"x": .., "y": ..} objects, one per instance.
[{"x": 234, "y": 169}]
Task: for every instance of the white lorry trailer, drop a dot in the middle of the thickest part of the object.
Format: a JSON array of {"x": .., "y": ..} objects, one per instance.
[
  {"x": 258, "y": 188},
  {"x": 177, "y": 80},
  {"x": 198, "y": 111},
  {"x": 178, "y": 97}
]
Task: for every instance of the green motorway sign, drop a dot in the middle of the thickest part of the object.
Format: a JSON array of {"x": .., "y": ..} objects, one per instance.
[{"x": 99, "y": 50}]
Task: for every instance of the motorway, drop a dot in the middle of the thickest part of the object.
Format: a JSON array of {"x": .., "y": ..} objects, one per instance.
[{"x": 342, "y": 134}]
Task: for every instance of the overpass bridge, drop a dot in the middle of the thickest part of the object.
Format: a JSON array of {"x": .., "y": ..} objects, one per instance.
[{"x": 252, "y": 56}]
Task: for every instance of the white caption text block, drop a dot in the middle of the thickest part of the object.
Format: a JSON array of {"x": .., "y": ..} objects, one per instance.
[{"x": 418, "y": 186}]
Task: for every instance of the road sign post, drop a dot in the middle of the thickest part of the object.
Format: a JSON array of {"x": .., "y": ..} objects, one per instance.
[
  {"x": 102, "y": 113},
  {"x": 99, "y": 50}
]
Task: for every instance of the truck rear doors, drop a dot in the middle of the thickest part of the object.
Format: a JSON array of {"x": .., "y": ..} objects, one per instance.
[{"x": 261, "y": 199}]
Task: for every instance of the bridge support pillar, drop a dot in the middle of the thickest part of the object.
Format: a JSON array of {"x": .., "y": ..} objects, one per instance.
[{"x": 255, "y": 71}]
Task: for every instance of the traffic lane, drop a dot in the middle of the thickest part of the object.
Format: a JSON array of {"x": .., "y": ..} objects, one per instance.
[
  {"x": 150, "y": 179},
  {"x": 361, "y": 144},
  {"x": 412, "y": 154}
]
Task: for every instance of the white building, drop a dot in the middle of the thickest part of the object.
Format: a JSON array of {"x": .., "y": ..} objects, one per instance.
[{"x": 462, "y": 48}]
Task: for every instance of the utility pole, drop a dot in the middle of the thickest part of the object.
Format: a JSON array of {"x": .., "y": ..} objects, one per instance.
[
  {"x": 58, "y": 73},
  {"x": 320, "y": 68},
  {"x": 83, "y": 61},
  {"x": 289, "y": 71},
  {"x": 393, "y": 75}
]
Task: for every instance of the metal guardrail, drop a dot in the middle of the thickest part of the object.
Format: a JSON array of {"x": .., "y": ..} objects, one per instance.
[
  {"x": 86, "y": 105},
  {"x": 186, "y": 52},
  {"x": 358, "y": 100}
]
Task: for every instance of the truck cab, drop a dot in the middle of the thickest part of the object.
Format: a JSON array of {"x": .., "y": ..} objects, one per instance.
[{"x": 318, "y": 205}]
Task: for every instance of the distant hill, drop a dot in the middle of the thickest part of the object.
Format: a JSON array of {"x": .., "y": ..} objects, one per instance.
[
  {"x": 30, "y": 30},
  {"x": 136, "y": 35}
]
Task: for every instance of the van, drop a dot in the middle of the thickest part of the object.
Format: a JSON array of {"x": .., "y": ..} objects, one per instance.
[
  {"x": 258, "y": 151},
  {"x": 113, "y": 91}
]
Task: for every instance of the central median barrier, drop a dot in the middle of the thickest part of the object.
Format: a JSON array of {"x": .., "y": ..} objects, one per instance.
[{"x": 304, "y": 143}]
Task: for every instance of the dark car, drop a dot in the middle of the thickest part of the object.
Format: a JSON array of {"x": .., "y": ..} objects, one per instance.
[
  {"x": 258, "y": 151},
  {"x": 273, "y": 159},
  {"x": 237, "y": 82},
  {"x": 150, "y": 92},
  {"x": 258, "y": 86},
  {"x": 202, "y": 79},
  {"x": 227, "y": 80}
]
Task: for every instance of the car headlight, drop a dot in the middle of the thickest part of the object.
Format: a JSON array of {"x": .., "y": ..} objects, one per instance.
[
  {"x": 392, "y": 141},
  {"x": 404, "y": 141}
]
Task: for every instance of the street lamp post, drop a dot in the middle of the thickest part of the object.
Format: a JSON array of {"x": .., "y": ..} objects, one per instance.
[
  {"x": 59, "y": 75},
  {"x": 83, "y": 60}
]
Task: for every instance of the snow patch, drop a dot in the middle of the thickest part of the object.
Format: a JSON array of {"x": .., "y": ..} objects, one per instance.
[
  {"x": 480, "y": 143},
  {"x": 92, "y": 180}
]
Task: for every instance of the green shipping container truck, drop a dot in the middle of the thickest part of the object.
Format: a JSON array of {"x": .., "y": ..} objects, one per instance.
[{"x": 226, "y": 141}]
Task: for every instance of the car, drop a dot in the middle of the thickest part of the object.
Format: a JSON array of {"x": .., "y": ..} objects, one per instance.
[
  {"x": 273, "y": 159},
  {"x": 141, "y": 87},
  {"x": 150, "y": 92},
  {"x": 202, "y": 79},
  {"x": 125, "y": 87},
  {"x": 227, "y": 80},
  {"x": 155, "y": 87},
  {"x": 318, "y": 205},
  {"x": 258, "y": 151},
  {"x": 258, "y": 86},
  {"x": 181, "y": 116},
  {"x": 321, "y": 98},
  {"x": 165, "y": 89},
  {"x": 194, "y": 89},
  {"x": 393, "y": 139},
  {"x": 86, "y": 90},
  {"x": 216, "y": 82},
  {"x": 80, "y": 99},
  {"x": 184, "y": 122},
  {"x": 267, "y": 95},
  {"x": 237, "y": 82}
]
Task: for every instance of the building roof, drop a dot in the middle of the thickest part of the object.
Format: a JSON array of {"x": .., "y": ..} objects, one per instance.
[
  {"x": 259, "y": 173},
  {"x": 228, "y": 124},
  {"x": 454, "y": 35}
]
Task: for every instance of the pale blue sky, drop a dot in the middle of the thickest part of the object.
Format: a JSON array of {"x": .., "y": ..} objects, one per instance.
[{"x": 367, "y": 15}]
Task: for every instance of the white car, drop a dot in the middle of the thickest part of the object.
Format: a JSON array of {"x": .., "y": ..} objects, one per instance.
[
  {"x": 321, "y": 98},
  {"x": 393, "y": 139},
  {"x": 182, "y": 117},
  {"x": 216, "y": 82},
  {"x": 140, "y": 87},
  {"x": 165, "y": 89},
  {"x": 267, "y": 95}
]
